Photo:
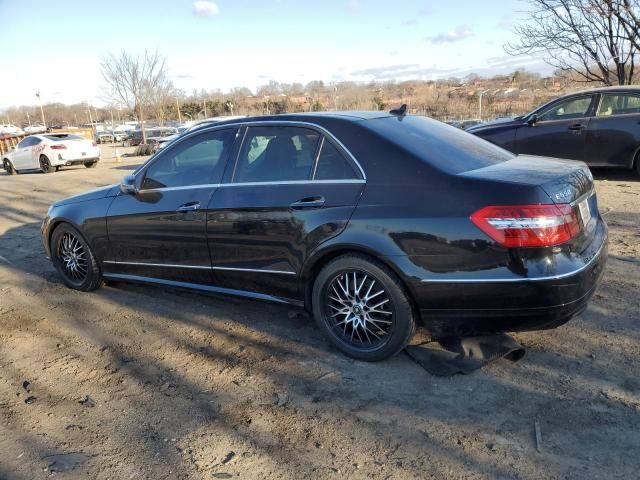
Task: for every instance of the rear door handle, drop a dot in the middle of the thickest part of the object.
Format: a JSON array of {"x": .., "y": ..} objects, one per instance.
[
  {"x": 189, "y": 207},
  {"x": 308, "y": 202}
]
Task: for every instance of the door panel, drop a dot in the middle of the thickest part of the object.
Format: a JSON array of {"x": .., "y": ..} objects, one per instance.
[
  {"x": 150, "y": 236},
  {"x": 613, "y": 141},
  {"x": 560, "y": 139},
  {"x": 160, "y": 231},
  {"x": 560, "y": 130},
  {"x": 274, "y": 227},
  {"x": 613, "y": 137},
  {"x": 22, "y": 156}
]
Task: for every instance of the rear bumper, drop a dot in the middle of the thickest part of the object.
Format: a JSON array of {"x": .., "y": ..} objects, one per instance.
[
  {"x": 69, "y": 158},
  {"x": 494, "y": 305}
]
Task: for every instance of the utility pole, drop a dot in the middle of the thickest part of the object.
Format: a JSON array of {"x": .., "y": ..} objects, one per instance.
[
  {"x": 44, "y": 124},
  {"x": 179, "y": 116},
  {"x": 335, "y": 98},
  {"x": 28, "y": 118}
]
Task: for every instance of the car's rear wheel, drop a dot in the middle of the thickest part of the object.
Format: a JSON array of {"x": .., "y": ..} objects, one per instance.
[
  {"x": 91, "y": 164},
  {"x": 363, "y": 308},
  {"x": 8, "y": 167},
  {"x": 74, "y": 260},
  {"x": 45, "y": 165}
]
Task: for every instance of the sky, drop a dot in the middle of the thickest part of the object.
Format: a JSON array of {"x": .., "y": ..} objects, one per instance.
[{"x": 56, "y": 46}]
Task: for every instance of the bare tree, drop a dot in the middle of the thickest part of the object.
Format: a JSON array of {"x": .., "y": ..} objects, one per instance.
[
  {"x": 134, "y": 81},
  {"x": 584, "y": 37},
  {"x": 628, "y": 14}
]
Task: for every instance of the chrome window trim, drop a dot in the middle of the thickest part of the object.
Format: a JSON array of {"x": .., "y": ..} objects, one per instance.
[
  {"x": 240, "y": 124},
  {"x": 534, "y": 279},
  {"x": 317, "y": 159},
  {"x": 252, "y": 184},
  {"x": 209, "y": 267},
  {"x": 291, "y": 182}
]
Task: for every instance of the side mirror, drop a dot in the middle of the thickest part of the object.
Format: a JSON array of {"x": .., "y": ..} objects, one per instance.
[
  {"x": 532, "y": 120},
  {"x": 12, "y": 147},
  {"x": 128, "y": 185}
]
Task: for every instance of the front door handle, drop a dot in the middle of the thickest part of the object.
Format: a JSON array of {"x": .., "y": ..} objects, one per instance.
[
  {"x": 189, "y": 207},
  {"x": 308, "y": 202},
  {"x": 576, "y": 126}
]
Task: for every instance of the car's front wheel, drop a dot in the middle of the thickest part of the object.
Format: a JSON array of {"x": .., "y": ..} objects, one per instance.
[
  {"x": 363, "y": 308},
  {"x": 8, "y": 167},
  {"x": 74, "y": 260}
]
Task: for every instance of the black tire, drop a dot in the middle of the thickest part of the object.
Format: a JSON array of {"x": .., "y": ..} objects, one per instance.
[
  {"x": 91, "y": 164},
  {"x": 58, "y": 168},
  {"x": 8, "y": 167},
  {"x": 45, "y": 165},
  {"x": 361, "y": 331},
  {"x": 66, "y": 240}
]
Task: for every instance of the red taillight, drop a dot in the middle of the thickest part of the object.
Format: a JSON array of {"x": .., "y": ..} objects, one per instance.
[
  {"x": 58, "y": 147},
  {"x": 528, "y": 225}
]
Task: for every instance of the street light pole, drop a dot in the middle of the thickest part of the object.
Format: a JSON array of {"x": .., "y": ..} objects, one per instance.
[{"x": 480, "y": 105}]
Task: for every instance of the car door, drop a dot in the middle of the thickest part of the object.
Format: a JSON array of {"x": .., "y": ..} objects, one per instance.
[
  {"x": 559, "y": 131},
  {"x": 160, "y": 230},
  {"x": 292, "y": 188},
  {"x": 22, "y": 155},
  {"x": 613, "y": 136}
]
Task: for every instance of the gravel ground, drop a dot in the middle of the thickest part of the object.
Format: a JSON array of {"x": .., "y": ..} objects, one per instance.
[{"x": 142, "y": 382}]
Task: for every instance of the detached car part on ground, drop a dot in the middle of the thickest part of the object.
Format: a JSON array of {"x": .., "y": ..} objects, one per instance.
[
  {"x": 373, "y": 222},
  {"x": 48, "y": 152},
  {"x": 599, "y": 127}
]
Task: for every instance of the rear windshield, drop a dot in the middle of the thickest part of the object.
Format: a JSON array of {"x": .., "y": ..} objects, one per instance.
[
  {"x": 445, "y": 147},
  {"x": 62, "y": 136}
]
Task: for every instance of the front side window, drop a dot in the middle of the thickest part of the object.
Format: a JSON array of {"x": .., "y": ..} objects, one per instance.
[
  {"x": 618, "y": 104},
  {"x": 567, "y": 110},
  {"x": 332, "y": 165},
  {"x": 276, "y": 153},
  {"x": 198, "y": 160}
]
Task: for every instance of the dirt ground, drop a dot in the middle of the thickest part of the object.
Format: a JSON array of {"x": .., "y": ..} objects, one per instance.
[{"x": 163, "y": 384}]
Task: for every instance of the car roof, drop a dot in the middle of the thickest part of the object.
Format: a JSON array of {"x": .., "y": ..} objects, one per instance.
[
  {"x": 614, "y": 88},
  {"x": 308, "y": 117}
]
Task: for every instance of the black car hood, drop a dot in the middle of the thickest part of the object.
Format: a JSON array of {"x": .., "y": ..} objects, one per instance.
[
  {"x": 102, "y": 192},
  {"x": 503, "y": 122}
]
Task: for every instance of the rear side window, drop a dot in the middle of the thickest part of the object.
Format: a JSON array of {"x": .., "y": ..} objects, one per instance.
[
  {"x": 332, "y": 165},
  {"x": 619, "y": 104},
  {"x": 198, "y": 160},
  {"x": 444, "y": 147},
  {"x": 276, "y": 153}
]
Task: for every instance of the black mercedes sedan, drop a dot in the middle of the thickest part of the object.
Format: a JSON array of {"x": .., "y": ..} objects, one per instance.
[
  {"x": 599, "y": 127},
  {"x": 371, "y": 221}
]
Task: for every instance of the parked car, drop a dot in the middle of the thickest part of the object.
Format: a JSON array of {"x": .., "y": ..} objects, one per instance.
[
  {"x": 104, "y": 137},
  {"x": 35, "y": 129},
  {"x": 8, "y": 129},
  {"x": 599, "y": 127},
  {"x": 49, "y": 152},
  {"x": 134, "y": 137},
  {"x": 373, "y": 222}
]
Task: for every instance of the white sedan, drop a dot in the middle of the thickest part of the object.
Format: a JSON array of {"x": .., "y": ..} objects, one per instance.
[{"x": 49, "y": 152}]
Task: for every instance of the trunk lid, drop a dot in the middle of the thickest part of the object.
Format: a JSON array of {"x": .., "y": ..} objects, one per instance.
[
  {"x": 564, "y": 181},
  {"x": 78, "y": 145}
]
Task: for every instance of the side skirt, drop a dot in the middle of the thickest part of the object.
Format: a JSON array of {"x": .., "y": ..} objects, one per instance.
[{"x": 200, "y": 287}]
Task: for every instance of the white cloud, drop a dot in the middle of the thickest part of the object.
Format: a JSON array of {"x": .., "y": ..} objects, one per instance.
[
  {"x": 459, "y": 33},
  {"x": 203, "y": 8}
]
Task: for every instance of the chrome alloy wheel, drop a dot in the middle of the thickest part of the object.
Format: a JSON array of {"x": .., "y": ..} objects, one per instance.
[
  {"x": 73, "y": 258},
  {"x": 359, "y": 310}
]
